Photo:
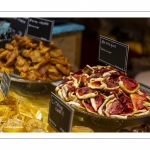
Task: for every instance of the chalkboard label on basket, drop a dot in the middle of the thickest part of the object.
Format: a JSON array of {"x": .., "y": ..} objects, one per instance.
[
  {"x": 60, "y": 114},
  {"x": 19, "y": 25},
  {"x": 40, "y": 28},
  {"x": 113, "y": 53},
  {"x": 5, "y": 83}
]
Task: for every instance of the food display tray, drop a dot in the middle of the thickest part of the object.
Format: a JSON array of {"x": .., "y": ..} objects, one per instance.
[{"x": 106, "y": 122}]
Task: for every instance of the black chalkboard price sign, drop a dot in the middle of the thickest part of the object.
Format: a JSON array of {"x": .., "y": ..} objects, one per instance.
[
  {"x": 113, "y": 53},
  {"x": 19, "y": 25},
  {"x": 60, "y": 114},
  {"x": 5, "y": 83},
  {"x": 40, "y": 28}
]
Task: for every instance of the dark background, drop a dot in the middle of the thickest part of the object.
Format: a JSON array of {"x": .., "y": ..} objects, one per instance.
[{"x": 133, "y": 30}]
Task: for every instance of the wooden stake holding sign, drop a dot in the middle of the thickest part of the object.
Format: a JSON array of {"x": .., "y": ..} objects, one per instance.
[
  {"x": 60, "y": 114},
  {"x": 5, "y": 83},
  {"x": 40, "y": 29},
  {"x": 113, "y": 53}
]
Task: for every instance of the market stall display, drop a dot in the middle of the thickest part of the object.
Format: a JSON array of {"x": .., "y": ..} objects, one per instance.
[{"x": 104, "y": 98}]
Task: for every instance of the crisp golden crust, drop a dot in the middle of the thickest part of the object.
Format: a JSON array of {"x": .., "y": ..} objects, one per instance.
[{"x": 25, "y": 54}]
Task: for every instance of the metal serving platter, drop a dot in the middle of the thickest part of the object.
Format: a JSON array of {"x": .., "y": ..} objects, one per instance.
[
  {"x": 111, "y": 122},
  {"x": 16, "y": 77},
  {"x": 106, "y": 117}
]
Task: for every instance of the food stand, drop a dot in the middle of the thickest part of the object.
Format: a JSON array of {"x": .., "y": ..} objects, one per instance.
[{"x": 40, "y": 69}]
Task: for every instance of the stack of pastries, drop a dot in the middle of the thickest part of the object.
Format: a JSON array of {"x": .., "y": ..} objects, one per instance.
[{"x": 34, "y": 59}]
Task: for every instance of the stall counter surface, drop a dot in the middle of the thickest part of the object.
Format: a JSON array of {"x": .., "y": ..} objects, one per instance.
[{"x": 79, "y": 120}]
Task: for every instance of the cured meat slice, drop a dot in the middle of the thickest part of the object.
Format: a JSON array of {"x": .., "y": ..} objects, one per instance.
[
  {"x": 66, "y": 89},
  {"x": 95, "y": 83},
  {"x": 114, "y": 107},
  {"x": 88, "y": 70},
  {"x": 95, "y": 68},
  {"x": 128, "y": 85},
  {"x": 100, "y": 110},
  {"x": 77, "y": 77},
  {"x": 120, "y": 105},
  {"x": 88, "y": 106},
  {"x": 85, "y": 92},
  {"x": 126, "y": 102},
  {"x": 109, "y": 73},
  {"x": 97, "y": 101},
  {"x": 111, "y": 84},
  {"x": 83, "y": 81},
  {"x": 137, "y": 100},
  {"x": 58, "y": 87},
  {"x": 104, "y": 69},
  {"x": 115, "y": 75},
  {"x": 116, "y": 92},
  {"x": 76, "y": 80},
  {"x": 76, "y": 104},
  {"x": 71, "y": 94},
  {"x": 96, "y": 75},
  {"x": 78, "y": 72}
]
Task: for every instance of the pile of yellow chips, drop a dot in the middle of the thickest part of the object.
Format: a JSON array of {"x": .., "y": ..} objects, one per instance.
[{"x": 17, "y": 115}]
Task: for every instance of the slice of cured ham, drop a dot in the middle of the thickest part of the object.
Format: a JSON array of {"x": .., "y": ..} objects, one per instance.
[
  {"x": 128, "y": 85},
  {"x": 97, "y": 101},
  {"x": 96, "y": 83},
  {"x": 85, "y": 92},
  {"x": 110, "y": 84},
  {"x": 120, "y": 105},
  {"x": 137, "y": 100},
  {"x": 100, "y": 110},
  {"x": 88, "y": 70},
  {"x": 88, "y": 106},
  {"x": 76, "y": 104}
]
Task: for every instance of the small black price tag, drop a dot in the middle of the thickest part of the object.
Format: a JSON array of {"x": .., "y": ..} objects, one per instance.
[
  {"x": 113, "y": 53},
  {"x": 60, "y": 114},
  {"x": 40, "y": 28},
  {"x": 19, "y": 25},
  {"x": 5, "y": 83}
]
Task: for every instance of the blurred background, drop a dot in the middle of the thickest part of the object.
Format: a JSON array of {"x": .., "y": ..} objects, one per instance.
[{"x": 79, "y": 39}]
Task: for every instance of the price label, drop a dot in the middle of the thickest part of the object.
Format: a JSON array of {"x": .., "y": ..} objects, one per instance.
[
  {"x": 40, "y": 28},
  {"x": 19, "y": 25},
  {"x": 5, "y": 83},
  {"x": 60, "y": 114},
  {"x": 113, "y": 53}
]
